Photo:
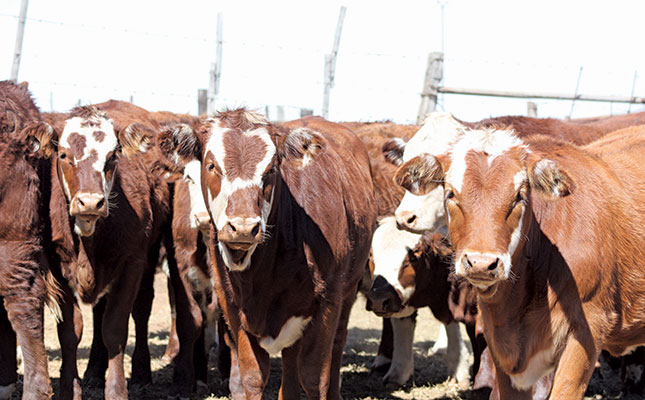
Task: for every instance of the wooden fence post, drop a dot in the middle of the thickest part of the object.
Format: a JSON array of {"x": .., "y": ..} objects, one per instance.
[
  {"x": 531, "y": 109},
  {"x": 202, "y": 101},
  {"x": 434, "y": 74},
  {"x": 330, "y": 64}
]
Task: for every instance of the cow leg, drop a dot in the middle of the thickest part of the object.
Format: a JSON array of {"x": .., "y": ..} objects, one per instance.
[
  {"x": 457, "y": 356},
  {"x": 141, "y": 373},
  {"x": 290, "y": 387},
  {"x": 402, "y": 357},
  {"x": 172, "y": 349},
  {"x": 94, "y": 375},
  {"x": 235, "y": 378},
  {"x": 574, "y": 370},
  {"x": 200, "y": 359},
  {"x": 383, "y": 358},
  {"x": 8, "y": 360},
  {"x": 504, "y": 390},
  {"x": 70, "y": 330},
  {"x": 115, "y": 331},
  {"x": 254, "y": 365},
  {"x": 441, "y": 343},
  {"x": 478, "y": 344},
  {"x": 223, "y": 349}
]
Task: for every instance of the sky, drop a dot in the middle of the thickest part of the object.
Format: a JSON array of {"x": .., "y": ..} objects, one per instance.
[{"x": 159, "y": 53}]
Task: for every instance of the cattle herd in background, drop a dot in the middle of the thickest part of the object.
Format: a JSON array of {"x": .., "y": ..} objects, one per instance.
[{"x": 530, "y": 232}]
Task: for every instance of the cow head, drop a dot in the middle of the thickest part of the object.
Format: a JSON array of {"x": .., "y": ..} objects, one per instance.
[
  {"x": 239, "y": 172},
  {"x": 487, "y": 179},
  {"x": 419, "y": 213},
  {"x": 88, "y": 152}
]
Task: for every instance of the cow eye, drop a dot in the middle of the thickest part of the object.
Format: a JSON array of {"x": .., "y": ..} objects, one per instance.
[
  {"x": 62, "y": 156},
  {"x": 449, "y": 195},
  {"x": 210, "y": 167}
]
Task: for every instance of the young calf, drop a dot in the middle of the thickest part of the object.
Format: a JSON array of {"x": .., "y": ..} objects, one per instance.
[
  {"x": 413, "y": 271},
  {"x": 556, "y": 260},
  {"x": 292, "y": 211}
]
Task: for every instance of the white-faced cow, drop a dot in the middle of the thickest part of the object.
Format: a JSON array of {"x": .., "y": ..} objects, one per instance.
[
  {"x": 293, "y": 210},
  {"x": 553, "y": 237},
  {"x": 25, "y": 279},
  {"x": 107, "y": 214},
  {"x": 413, "y": 271}
]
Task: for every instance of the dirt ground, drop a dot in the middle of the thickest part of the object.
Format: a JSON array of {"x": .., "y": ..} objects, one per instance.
[{"x": 429, "y": 380}]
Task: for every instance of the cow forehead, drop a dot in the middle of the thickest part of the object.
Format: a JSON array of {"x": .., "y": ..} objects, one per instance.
[
  {"x": 241, "y": 155},
  {"x": 438, "y": 132},
  {"x": 490, "y": 143},
  {"x": 86, "y": 138},
  {"x": 389, "y": 247}
]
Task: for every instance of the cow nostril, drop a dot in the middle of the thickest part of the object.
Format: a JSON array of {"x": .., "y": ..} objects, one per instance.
[
  {"x": 466, "y": 262},
  {"x": 386, "y": 304},
  {"x": 493, "y": 266},
  {"x": 255, "y": 230},
  {"x": 232, "y": 227},
  {"x": 411, "y": 219},
  {"x": 80, "y": 201},
  {"x": 100, "y": 203}
]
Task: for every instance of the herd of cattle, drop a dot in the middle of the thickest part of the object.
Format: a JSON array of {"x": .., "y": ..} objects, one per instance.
[{"x": 530, "y": 232}]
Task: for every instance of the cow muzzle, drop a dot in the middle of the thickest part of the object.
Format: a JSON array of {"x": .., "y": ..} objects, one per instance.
[
  {"x": 240, "y": 236},
  {"x": 481, "y": 269},
  {"x": 87, "y": 208},
  {"x": 202, "y": 222},
  {"x": 383, "y": 299}
]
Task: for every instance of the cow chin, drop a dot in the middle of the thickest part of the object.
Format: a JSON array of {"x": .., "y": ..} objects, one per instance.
[
  {"x": 85, "y": 225},
  {"x": 235, "y": 257}
]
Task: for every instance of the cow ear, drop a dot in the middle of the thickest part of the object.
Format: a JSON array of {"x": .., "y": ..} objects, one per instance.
[
  {"x": 440, "y": 245},
  {"x": 547, "y": 178},
  {"x": 393, "y": 151},
  {"x": 301, "y": 143},
  {"x": 134, "y": 139},
  {"x": 179, "y": 144},
  {"x": 420, "y": 175},
  {"x": 40, "y": 138}
]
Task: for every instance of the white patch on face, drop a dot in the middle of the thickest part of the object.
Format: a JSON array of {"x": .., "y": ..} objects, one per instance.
[
  {"x": 389, "y": 248},
  {"x": 216, "y": 145},
  {"x": 289, "y": 334},
  {"x": 491, "y": 141},
  {"x": 512, "y": 244},
  {"x": 102, "y": 149},
  {"x": 518, "y": 179},
  {"x": 192, "y": 175},
  {"x": 538, "y": 366},
  {"x": 436, "y": 136}
]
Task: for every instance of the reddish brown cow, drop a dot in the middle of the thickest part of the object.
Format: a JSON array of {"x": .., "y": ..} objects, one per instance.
[
  {"x": 25, "y": 280},
  {"x": 107, "y": 213},
  {"x": 292, "y": 210},
  {"x": 556, "y": 259}
]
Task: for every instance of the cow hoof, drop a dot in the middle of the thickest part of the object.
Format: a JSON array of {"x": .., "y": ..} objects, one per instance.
[
  {"x": 166, "y": 360},
  {"x": 6, "y": 391},
  {"x": 464, "y": 385},
  {"x": 381, "y": 364}
]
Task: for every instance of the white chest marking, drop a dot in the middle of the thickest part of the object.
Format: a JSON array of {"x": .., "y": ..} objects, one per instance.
[
  {"x": 538, "y": 366},
  {"x": 290, "y": 332}
]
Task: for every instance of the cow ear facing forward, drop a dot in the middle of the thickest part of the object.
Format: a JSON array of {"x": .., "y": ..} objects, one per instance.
[
  {"x": 301, "y": 144},
  {"x": 420, "y": 175},
  {"x": 134, "y": 139},
  {"x": 179, "y": 144},
  {"x": 40, "y": 137},
  {"x": 393, "y": 151},
  {"x": 548, "y": 179}
]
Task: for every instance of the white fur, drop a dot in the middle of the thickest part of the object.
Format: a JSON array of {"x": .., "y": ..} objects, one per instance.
[
  {"x": 493, "y": 142},
  {"x": 436, "y": 136},
  {"x": 290, "y": 332},
  {"x": 457, "y": 354},
  {"x": 518, "y": 179},
  {"x": 192, "y": 175},
  {"x": 219, "y": 203},
  {"x": 440, "y": 345},
  {"x": 402, "y": 365},
  {"x": 389, "y": 248},
  {"x": 538, "y": 366}
]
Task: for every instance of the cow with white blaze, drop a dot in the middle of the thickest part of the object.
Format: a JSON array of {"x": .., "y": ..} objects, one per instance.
[
  {"x": 552, "y": 235},
  {"x": 293, "y": 210}
]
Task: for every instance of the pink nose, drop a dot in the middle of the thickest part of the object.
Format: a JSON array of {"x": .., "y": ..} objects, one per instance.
[
  {"x": 482, "y": 264},
  {"x": 89, "y": 204},
  {"x": 241, "y": 232},
  {"x": 405, "y": 219}
]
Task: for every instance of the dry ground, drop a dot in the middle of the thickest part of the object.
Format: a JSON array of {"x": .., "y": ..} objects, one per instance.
[{"x": 429, "y": 382}]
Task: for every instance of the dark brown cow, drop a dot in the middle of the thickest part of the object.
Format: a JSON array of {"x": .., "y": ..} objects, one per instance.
[
  {"x": 25, "y": 280},
  {"x": 107, "y": 214},
  {"x": 413, "y": 271},
  {"x": 292, "y": 210},
  {"x": 553, "y": 237}
]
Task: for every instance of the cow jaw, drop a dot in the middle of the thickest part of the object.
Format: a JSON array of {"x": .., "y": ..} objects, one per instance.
[
  {"x": 236, "y": 257},
  {"x": 84, "y": 225}
]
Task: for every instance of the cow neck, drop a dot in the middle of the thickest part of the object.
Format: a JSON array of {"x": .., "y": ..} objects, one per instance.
[{"x": 510, "y": 314}]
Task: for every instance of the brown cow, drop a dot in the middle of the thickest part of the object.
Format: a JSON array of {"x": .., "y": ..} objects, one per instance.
[
  {"x": 292, "y": 210},
  {"x": 107, "y": 213},
  {"x": 413, "y": 271},
  {"x": 25, "y": 280},
  {"x": 556, "y": 259}
]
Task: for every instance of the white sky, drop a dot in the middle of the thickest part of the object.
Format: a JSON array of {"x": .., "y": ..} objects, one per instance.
[{"x": 160, "y": 52}]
